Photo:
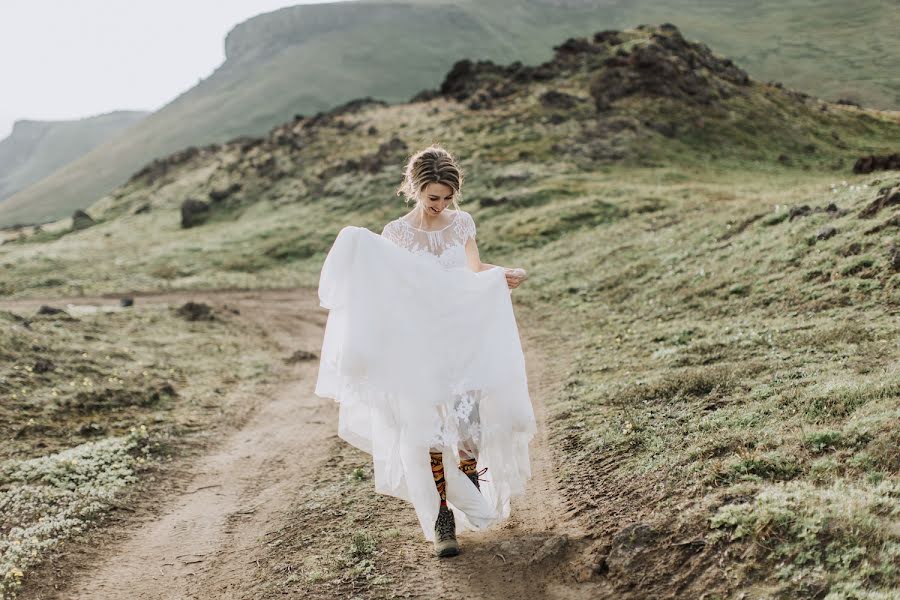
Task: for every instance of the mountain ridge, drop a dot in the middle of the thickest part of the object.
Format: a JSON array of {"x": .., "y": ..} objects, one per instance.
[
  {"x": 641, "y": 97},
  {"x": 273, "y": 57},
  {"x": 36, "y": 148}
]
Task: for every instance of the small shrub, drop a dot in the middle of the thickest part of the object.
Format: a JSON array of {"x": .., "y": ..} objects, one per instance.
[
  {"x": 772, "y": 467},
  {"x": 822, "y": 441}
]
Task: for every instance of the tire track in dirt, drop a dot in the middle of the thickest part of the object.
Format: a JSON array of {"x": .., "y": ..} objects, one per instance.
[{"x": 208, "y": 540}]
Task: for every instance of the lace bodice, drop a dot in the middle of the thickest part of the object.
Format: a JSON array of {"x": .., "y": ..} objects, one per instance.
[{"x": 446, "y": 246}]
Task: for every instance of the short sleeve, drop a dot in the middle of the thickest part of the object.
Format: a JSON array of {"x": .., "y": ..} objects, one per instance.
[
  {"x": 469, "y": 226},
  {"x": 389, "y": 233}
]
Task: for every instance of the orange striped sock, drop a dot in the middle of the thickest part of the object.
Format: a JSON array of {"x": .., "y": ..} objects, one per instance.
[
  {"x": 437, "y": 470},
  {"x": 468, "y": 466}
]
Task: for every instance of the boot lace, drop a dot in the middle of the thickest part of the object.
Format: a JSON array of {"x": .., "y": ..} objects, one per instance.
[{"x": 446, "y": 525}]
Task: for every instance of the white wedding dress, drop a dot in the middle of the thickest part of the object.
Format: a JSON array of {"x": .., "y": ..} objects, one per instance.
[{"x": 421, "y": 352}]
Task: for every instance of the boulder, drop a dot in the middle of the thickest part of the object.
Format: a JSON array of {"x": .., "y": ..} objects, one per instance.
[
  {"x": 81, "y": 220},
  {"x": 867, "y": 164},
  {"x": 193, "y": 213}
]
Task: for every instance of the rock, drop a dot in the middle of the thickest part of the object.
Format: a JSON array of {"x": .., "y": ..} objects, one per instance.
[
  {"x": 462, "y": 79},
  {"x": 894, "y": 221},
  {"x": 300, "y": 356},
  {"x": 555, "y": 99},
  {"x": 219, "y": 194},
  {"x": 851, "y": 249},
  {"x": 158, "y": 168},
  {"x": 425, "y": 95},
  {"x": 81, "y": 220},
  {"x": 388, "y": 153},
  {"x": 49, "y": 310},
  {"x": 552, "y": 548},
  {"x": 608, "y": 36},
  {"x": 356, "y": 105},
  {"x": 487, "y": 201},
  {"x": 887, "y": 196},
  {"x": 195, "y": 311},
  {"x": 867, "y": 164},
  {"x": 799, "y": 211},
  {"x": 42, "y": 365},
  {"x": 668, "y": 66},
  {"x": 894, "y": 254},
  {"x": 574, "y": 46},
  {"x": 246, "y": 143},
  {"x": 826, "y": 232},
  {"x": 91, "y": 429},
  {"x": 194, "y": 212}
]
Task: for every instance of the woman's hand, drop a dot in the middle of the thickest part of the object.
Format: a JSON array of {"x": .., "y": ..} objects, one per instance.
[{"x": 514, "y": 277}]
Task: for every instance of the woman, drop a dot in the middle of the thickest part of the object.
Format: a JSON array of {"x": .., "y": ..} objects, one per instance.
[{"x": 422, "y": 352}]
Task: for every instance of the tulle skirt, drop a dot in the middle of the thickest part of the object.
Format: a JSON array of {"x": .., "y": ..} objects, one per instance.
[{"x": 420, "y": 357}]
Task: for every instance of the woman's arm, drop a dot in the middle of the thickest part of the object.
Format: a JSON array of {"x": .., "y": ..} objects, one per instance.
[{"x": 513, "y": 276}]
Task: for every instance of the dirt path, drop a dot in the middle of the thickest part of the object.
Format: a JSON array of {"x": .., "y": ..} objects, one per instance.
[{"x": 206, "y": 539}]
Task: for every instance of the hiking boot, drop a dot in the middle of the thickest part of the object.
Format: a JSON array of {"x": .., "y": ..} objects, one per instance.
[
  {"x": 445, "y": 543},
  {"x": 474, "y": 477},
  {"x": 467, "y": 466}
]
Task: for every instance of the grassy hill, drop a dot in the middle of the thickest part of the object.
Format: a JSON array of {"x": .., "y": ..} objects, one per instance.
[
  {"x": 306, "y": 59},
  {"x": 35, "y": 149},
  {"x": 723, "y": 291}
]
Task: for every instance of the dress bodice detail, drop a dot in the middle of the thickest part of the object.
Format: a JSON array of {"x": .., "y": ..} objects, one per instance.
[{"x": 446, "y": 246}]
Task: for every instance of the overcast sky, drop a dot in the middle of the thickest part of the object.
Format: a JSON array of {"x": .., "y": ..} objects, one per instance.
[{"x": 67, "y": 59}]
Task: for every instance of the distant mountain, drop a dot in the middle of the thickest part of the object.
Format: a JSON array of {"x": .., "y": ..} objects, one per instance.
[
  {"x": 643, "y": 97},
  {"x": 309, "y": 58},
  {"x": 36, "y": 149}
]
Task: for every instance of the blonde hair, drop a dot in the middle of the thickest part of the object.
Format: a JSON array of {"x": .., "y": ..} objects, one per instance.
[{"x": 434, "y": 164}]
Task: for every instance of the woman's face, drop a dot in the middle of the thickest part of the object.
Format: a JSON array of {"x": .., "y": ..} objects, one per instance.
[{"x": 435, "y": 197}]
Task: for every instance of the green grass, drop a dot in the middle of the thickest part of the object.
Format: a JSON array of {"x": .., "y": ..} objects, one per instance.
[{"x": 85, "y": 415}]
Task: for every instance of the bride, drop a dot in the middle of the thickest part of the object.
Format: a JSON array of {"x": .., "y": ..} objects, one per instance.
[{"x": 422, "y": 352}]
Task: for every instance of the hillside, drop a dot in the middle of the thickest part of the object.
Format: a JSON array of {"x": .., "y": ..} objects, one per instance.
[
  {"x": 714, "y": 289},
  {"x": 305, "y": 59},
  {"x": 35, "y": 149}
]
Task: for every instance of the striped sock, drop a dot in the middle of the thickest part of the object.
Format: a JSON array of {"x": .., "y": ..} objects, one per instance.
[
  {"x": 468, "y": 466},
  {"x": 437, "y": 470}
]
